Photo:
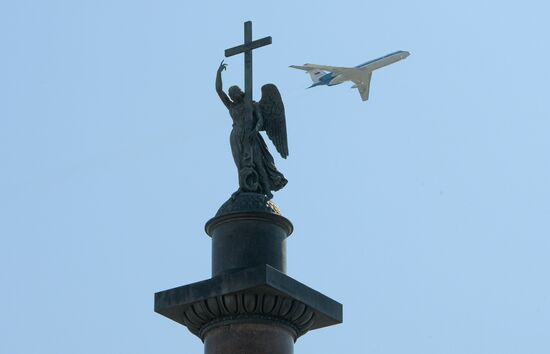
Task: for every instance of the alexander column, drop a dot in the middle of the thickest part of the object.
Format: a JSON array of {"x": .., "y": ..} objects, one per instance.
[{"x": 250, "y": 305}]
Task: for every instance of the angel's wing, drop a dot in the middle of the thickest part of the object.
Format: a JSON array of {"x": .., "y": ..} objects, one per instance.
[{"x": 273, "y": 112}]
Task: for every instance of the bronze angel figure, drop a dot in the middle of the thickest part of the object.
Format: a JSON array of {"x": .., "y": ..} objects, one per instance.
[{"x": 255, "y": 165}]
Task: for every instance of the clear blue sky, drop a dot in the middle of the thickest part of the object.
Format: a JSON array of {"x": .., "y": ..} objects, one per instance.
[{"x": 425, "y": 211}]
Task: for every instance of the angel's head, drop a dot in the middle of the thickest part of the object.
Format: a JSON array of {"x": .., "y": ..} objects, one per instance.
[{"x": 236, "y": 94}]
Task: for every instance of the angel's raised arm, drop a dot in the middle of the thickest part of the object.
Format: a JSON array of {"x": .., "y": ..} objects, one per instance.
[{"x": 219, "y": 87}]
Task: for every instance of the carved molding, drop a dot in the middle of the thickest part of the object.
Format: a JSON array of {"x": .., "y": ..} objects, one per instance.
[
  {"x": 205, "y": 315},
  {"x": 248, "y": 206},
  {"x": 243, "y": 202}
]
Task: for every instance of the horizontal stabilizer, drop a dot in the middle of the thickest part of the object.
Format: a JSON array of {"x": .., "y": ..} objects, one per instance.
[
  {"x": 306, "y": 68},
  {"x": 315, "y": 73}
]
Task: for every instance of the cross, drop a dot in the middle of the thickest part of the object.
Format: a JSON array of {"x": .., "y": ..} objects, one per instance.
[{"x": 247, "y": 48}]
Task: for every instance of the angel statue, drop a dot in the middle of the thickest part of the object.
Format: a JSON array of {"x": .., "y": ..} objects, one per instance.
[{"x": 255, "y": 165}]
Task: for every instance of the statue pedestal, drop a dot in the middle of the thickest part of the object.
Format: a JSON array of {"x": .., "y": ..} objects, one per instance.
[{"x": 249, "y": 305}]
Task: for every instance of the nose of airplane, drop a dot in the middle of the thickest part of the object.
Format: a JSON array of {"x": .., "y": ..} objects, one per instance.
[{"x": 405, "y": 54}]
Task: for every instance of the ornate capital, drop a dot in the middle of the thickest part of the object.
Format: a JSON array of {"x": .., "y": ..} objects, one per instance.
[
  {"x": 202, "y": 316},
  {"x": 252, "y": 295}
]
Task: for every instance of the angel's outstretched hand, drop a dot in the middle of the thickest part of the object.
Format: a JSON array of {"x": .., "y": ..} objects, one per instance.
[{"x": 222, "y": 67}]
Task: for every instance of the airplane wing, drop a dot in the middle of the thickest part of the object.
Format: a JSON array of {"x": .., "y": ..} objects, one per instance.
[
  {"x": 360, "y": 77},
  {"x": 363, "y": 86}
]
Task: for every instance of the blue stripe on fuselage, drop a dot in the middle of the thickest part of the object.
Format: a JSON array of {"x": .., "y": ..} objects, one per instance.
[{"x": 372, "y": 61}]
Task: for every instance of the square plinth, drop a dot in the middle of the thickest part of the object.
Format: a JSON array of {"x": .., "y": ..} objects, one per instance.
[{"x": 260, "y": 281}]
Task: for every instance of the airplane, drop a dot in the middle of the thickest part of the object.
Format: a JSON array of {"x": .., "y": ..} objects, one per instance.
[{"x": 359, "y": 75}]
